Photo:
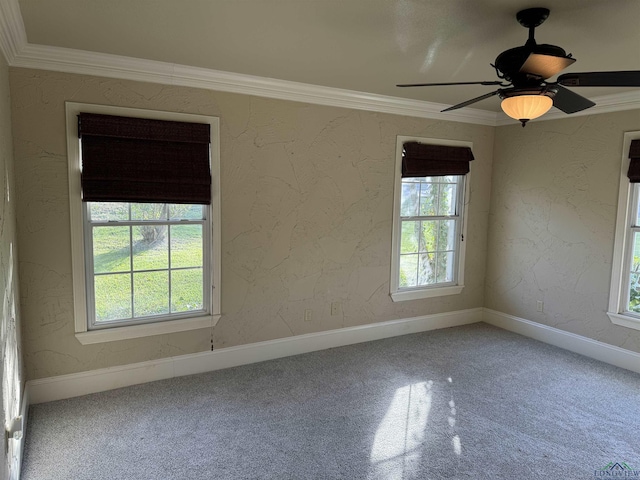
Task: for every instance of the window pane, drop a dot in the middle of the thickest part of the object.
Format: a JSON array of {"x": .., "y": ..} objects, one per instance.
[
  {"x": 428, "y": 236},
  {"x": 409, "y": 199},
  {"x": 151, "y": 293},
  {"x": 113, "y": 297},
  {"x": 446, "y": 234},
  {"x": 444, "y": 267},
  {"x": 427, "y": 269},
  {"x": 634, "y": 282},
  {"x": 146, "y": 247},
  {"x": 186, "y": 290},
  {"x": 150, "y": 250},
  {"x": 108, "y": 211},
  {"x": 428, "y": 199},
  {"x": 149, "y": 211},
  {"x": 111, "y": 249},
  {"x": 408, "y": 270},
  {"x": 635, "y": 261},
  {"x": 634, "y": 293},
  {"x": 409, "y": 238},
  {"x": 186, "y": 246},
  {"x": 186, "y": 212},
  {"x": 447, "y": 199}
]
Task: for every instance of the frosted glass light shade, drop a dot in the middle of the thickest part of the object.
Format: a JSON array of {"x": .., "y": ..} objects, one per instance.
[{"x": 526, "y": 107}]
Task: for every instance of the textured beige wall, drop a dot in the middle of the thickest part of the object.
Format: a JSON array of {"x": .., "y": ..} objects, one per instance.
[
  {"x": 306, "y": 217},
  {"x": 10, "y": 373},
  {"x": 553, "y": 212}
]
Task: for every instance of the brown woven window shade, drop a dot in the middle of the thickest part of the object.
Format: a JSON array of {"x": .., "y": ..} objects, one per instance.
[
  {"x": 422, "y": 160},
  {"x": 139, "y": 160},
  {"x": 634, "y": 164}
]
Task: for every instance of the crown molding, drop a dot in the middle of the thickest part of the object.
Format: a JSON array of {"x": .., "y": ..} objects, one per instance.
[
  {"x": 12, "y": 32},
  {"x": 114, "y": 66}
]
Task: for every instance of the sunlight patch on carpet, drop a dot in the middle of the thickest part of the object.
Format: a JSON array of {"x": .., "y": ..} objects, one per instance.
[{"x": 401, "y": 433}]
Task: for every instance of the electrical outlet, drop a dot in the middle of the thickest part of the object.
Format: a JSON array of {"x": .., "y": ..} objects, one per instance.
[
  {"x": 336, "y": 308},
  {"x": 540, "y": 306},
  {"x": 308, "y": 313}
]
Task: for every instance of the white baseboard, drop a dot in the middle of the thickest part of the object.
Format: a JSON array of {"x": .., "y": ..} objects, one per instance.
[
  {"x": 569, "y": 341},
  {"x": 77, "y": 384}
]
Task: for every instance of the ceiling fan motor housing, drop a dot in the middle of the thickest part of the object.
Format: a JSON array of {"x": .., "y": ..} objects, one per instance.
[
  {"x": 531, "y": 64},
  {"x": 511, "y": 63}
]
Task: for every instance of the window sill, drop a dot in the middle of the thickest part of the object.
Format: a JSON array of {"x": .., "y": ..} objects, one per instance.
[
  {"x": 146, "y": 330},
  {"x": 624, "y": 320},
  {"x": 401, "y": 296}
]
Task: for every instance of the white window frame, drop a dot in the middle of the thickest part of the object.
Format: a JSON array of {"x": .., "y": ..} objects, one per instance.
[
  {"x": 212, "y": 245},
  {"x": 628, "y": 197},
  {"x": 90, "y": 274},
  {"x": 414, "y": 293}
]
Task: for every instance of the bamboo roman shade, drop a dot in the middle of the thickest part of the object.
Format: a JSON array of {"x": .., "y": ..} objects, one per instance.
[
  {"x": 422, "y": 160},
  {"x": 140, "y": 160},
  {"x": 634, "y": 164}
]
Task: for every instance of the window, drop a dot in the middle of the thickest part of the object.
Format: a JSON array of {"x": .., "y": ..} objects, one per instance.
[
  {"x": 428, "y": 220},
  {"x": 429, "y": 224},
  {"x": 624, "y": 298},
  {"x": 145, "y": 262},
  {"x": 144, "y": 221}
]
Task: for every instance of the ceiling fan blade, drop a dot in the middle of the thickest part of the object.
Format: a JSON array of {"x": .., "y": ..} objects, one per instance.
[
  {"x": 545, "y": 66},
  {"x": 489, "y": 82},
  {"x": 601, "y": 79},
  {"x": 570, "y": 102},
  {"x": 473, "y": 100}
]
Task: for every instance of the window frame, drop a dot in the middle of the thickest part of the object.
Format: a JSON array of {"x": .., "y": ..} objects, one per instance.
[
  {"x": 211, "y": 246},
  {"x": 436, "y": 290},
  {"x": 628, "y": 198},
  {"x": 90, "y": 274}
]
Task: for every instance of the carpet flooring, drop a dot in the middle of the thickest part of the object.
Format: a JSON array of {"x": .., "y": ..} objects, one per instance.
[{"x": 471, "y": 402}]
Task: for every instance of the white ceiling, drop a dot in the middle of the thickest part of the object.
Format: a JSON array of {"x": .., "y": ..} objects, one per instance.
[{"x": 361, "y": 45}]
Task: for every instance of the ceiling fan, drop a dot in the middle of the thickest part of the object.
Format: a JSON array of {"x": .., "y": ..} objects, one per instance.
[{"x": 523, "y": 72}]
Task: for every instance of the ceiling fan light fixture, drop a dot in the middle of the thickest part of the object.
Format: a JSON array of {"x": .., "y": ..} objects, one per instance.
[{"x": 526, "y": 107}]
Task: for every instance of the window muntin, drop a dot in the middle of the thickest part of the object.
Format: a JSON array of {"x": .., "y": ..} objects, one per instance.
[
  {"x": 430, "y": 219},
  {"x": 145, "y": 262}
]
